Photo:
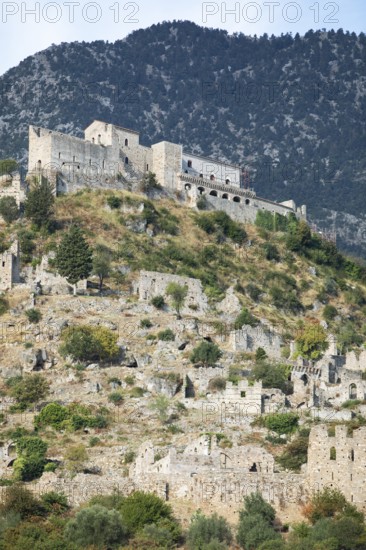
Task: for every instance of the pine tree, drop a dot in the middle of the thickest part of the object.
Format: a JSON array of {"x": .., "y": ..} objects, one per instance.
[
  {"x": 74, "y": 258},
  {"x": 39, "y": 204}
]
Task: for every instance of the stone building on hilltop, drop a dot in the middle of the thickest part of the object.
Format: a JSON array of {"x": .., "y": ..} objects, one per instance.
[{"x": 109, "y": 154}]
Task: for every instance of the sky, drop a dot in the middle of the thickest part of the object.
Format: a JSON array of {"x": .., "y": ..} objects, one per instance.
[{"x": 27, "y": 27}]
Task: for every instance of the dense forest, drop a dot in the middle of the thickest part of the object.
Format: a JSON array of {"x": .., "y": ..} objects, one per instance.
[{"x": 289, "y": 109}]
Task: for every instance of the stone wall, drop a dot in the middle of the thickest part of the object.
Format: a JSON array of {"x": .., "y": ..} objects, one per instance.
[
  {"x": 152, "y": 283},
  {"x": 249, "y": 339},
  {"x": 208, "y": 476},
  {"x": 167, "y": 163},
  {"x": 9, "y": 267},
  {"x": 339, "y": 461},
  {"x": 198, "y": 166},
  {"x": 12, "y": 187}
]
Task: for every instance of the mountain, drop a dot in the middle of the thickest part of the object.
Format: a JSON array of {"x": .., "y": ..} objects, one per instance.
[{"x": 292, "y": 110}]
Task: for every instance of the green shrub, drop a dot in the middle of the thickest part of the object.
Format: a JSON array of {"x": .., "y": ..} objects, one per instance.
[
  {"x": 4, "y": 305},
  {"x": 245, "y": 318},
  {"x": 96, "y": 527},
  {"x": 20, "y": 500},
  {"x": 114, "y": 202},
  {"x": 329, "y": 313},
  {"x": 158, "y": 302},
  {"x": 53, "y": 415},
  {"x": 166, "y": 335},
  {"x": 137, "y": 392},
  {"x": 178, "y": 295},
  {"x": 33, "y": 315},
  {"x": 312, "y": 341},
  {"x": 9, "y": 209},
  {"x": 116, "y": 398},
  {"x": 130, "y": 380},
  {"x": 129, "y": 457},
  {"x": 351, "y": 403},
  {"x": 146, "y": 323},
  {"x": 54, "y": 502},
  {"x": 27, "y": 245},
  {"x": 296, "y": 452},
  {"x": 29, "y": 390},
  {"x": 217, "y": 384},
  {"x": 30, "y": 463},
  {"x": 256, "y": 522},
  {"x": 140, "y": 509},
  {"x": 201, "y": 203},
  {"x": 273, "y": 375},
  {"x": 85, "y": 343},
  {"x": 253, "y": 292},
  {"x": 50, "y": 467},
  {"x": 286, "y": 300},
  {"x": 206, "y": 353},
  {"x": 204, "y": 530},
  {"x": 271, "y": 252},
  {"x": 281, "y": 423}
]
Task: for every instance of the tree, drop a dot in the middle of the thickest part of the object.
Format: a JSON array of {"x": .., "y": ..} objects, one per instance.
[
  {"x": 101, "y": 264},
  {"x": 86, "y": 343},
  {"x": 9, "y": 209},
  {"x": 140, "y": 509},
  {"x": 75, "y": 457},
  {"x": 256, "y": 522},
  {"x": 39, "y": 205},
  {"x": 30, "y": 462},
  {"x": 161, "y": 406},
  {"x": 245, "y": 318},
  {"x": 96, "y": 527},
  {"x": 178, "y": 294},
  {"x": 28, "y": 390},
  {"x": 74, "y": 258},
  {"x": 312, "y": 341},
  {"x": 330, "y": 503},
  {"x": 20, "y": 500},
  {"x": 8, "y": 166},
  {"x": 273, "y": 375},
  {"x": 206, "y": 529},
  {"x": 282, "y": 423},
  {"x": 206, "y": 353}
]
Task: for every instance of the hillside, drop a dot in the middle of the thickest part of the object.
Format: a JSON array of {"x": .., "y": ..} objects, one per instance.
[
  {"x": 89, "y": 415},
  {"x": 289, "y": 109}
]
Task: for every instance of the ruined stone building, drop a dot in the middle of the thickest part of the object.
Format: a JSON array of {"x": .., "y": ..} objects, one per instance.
[
  {"x": 338, "y": 460},
  {"x": 209, "y": 475},
  {"x": 332, "y": 380},
  {"x": 109, "y": 154},
  {"x": 9, "y": 267}
]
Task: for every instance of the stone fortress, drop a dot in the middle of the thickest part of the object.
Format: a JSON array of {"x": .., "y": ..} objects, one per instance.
[{"x": 110, "y": 154}]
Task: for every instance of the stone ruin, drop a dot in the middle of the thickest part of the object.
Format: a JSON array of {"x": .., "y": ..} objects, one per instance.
[
  {"x": 9, "y": 267},
  {"x": 153, "y": 283}
]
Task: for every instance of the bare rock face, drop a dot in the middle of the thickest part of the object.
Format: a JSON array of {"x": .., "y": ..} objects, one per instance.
[
  {"x": 230, "y": 304},
  {"x": 163, "y": 386},
  {"x": 36, "y": 360}
]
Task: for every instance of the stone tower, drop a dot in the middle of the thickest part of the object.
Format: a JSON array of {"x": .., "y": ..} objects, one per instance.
[{"x": 9, "y": 267}]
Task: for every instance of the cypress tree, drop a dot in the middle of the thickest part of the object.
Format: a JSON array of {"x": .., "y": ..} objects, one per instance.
[
  {"x": 39, "y": 204},
  {"x": 74, "y": 257}
]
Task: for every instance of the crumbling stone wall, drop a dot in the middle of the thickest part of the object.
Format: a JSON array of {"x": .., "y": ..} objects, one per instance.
[
  {"x": 9, "y": 267},
  {"x": 11, "y": 186},
  {"x": 153, "y": 283},
  {"x": 249, "y": 339},
  {"x": 339, "y": 461}
]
